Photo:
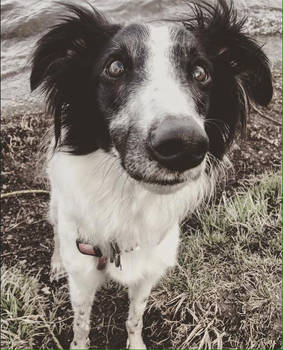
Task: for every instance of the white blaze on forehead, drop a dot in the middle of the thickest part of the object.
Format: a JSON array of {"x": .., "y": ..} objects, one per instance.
[
  {"x": 159, "y": 50},
  {"x": 162, "y": 93}
]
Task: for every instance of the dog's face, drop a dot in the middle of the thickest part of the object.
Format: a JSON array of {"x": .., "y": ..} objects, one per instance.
[
  {"x": 158, "y": 96},
  {"x": 153, "y": 85}
]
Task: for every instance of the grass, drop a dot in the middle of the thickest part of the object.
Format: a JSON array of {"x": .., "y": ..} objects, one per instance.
[
  {"x": 224, "y": 294},
  {"x": 24, "y": 313},
  {"x": 226, "y": 290}
]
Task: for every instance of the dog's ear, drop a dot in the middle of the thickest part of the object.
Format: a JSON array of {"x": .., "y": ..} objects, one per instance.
[
  {"x": 64, "y": 57},
  {"x": 221, "y": 33},
  {"x": 240, "y": 70}
]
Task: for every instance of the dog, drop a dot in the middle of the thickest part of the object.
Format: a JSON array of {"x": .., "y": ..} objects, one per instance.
[{"x": 143, "y": 116}]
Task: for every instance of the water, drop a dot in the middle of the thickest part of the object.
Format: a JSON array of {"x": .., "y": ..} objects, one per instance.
[{"x": 23, "y": 22}]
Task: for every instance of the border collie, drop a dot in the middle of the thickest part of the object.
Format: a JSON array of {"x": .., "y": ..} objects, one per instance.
[{"x": 143, "y": 115}]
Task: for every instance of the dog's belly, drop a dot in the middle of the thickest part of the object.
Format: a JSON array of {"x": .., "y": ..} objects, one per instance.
[{"x": 146, "y": 262}]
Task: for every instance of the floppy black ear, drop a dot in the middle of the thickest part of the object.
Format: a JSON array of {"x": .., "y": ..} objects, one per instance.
[
  {"x": 222, "y": 35},
  {"x": 64, "y": 57},
  {"x": 240, "y": 70}
]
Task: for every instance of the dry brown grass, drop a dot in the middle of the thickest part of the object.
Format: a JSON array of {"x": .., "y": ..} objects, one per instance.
[
  {"x": 226, "y": 290},
  {"x": 25, "y": 313}
]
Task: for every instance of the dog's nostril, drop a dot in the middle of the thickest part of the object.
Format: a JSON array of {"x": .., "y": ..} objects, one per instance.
[
  {"x": 170, "y": 147},
  {"x": 200, "y": 148}
]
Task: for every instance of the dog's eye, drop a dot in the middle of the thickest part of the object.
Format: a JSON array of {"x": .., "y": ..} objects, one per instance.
[
  {"x": 115, "y": 69},
  {"x": 200, "y": 74}
]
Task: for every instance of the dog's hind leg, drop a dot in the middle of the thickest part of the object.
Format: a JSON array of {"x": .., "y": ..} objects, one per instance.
[{"x": 138, "y": 295}]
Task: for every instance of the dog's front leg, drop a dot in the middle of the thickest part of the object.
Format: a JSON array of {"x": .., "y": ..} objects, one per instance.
[
  {"x": 57, "y": 269},
  {"x": 82, "y": 292},
  {"x": 84, "y": 280},
  {"x": 138, "y": 295}
]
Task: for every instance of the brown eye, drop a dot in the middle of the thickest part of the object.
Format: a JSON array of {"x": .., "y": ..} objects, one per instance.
[
  {"x": 200, "y": 74},
  {"x": 115, "y": 69}
]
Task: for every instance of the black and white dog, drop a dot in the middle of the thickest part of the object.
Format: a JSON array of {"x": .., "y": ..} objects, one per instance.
[{"x": 143, "y": 114}]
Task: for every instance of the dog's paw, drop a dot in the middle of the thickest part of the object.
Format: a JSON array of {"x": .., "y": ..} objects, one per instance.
[
  {"x": 75, "y": 344},
  {"x": 57, "y": 269},
  {"x": 135, "y": 344}
]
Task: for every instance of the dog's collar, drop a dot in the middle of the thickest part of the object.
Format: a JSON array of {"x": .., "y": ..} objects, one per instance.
[
  {"x": 115, "y": 253},
  {"x": 88, "y": 249}
]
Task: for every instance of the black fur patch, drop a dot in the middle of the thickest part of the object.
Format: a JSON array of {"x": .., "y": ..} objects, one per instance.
[
  {"x": 63, "y": 63},
  {"x": 69, "y": 62},
  {"x": 240, "y": 70}
]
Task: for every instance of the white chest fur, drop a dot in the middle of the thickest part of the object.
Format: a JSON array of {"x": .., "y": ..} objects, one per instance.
[{"x": 106, "y": 204}]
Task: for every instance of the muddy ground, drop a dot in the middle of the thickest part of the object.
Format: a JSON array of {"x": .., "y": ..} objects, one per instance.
[{"x": 27, "y": 237}]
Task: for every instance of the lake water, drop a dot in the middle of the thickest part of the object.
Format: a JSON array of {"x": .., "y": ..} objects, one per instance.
[{"x": 23, "y": 22}]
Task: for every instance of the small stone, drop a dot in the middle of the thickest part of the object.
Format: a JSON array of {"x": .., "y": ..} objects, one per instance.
[{"x": 46, "y": 290}]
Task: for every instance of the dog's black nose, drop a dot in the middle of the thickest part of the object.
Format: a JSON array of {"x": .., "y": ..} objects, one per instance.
[{"x": 178, "y": 144}]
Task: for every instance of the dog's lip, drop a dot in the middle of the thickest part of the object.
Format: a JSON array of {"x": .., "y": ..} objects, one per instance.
[
  {"x": 177, "y": 180},
  {"x": 153, "y": 181},
  {"x": 162, "y": 189},
  {"x": 156, "y": 181},
  {"x": 163, "y": 183}
]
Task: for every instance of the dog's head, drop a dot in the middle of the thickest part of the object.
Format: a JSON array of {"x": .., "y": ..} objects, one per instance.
[{"x": 158, "y": 96}]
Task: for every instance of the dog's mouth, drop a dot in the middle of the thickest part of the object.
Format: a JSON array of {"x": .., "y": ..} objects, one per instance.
[
  {"x": 164, "y": 181},
  {"x": 175, "y": 180},
  {"x": 156, "y": 180}
]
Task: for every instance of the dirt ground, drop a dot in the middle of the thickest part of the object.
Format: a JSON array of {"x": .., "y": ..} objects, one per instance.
[{"x": 27, "y": 237}]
